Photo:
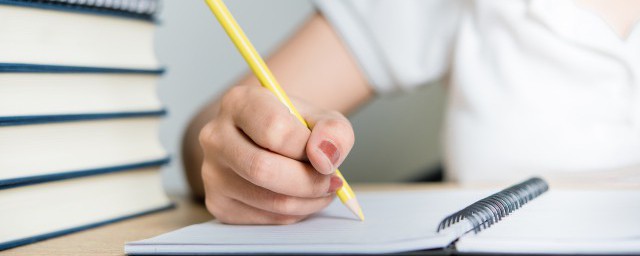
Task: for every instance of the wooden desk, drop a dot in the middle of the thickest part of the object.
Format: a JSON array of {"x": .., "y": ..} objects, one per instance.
[{"x": 110, "y": 239}]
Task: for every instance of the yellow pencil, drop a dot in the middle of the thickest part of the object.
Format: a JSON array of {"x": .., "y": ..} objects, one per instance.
[{"x": 268, "y": 81}]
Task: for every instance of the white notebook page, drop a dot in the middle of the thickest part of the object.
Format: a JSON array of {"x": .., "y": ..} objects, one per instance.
[
  {"x": 395, "y": 221},
  {"x": 565, "y": 221}
]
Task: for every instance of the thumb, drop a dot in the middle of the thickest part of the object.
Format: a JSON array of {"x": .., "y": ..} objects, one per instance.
[{"x": 330, "y": 141}]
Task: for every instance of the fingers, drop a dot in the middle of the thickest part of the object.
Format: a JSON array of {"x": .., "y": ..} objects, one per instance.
[
  {"x": 230, "y": 211},
  {"x": 255, "y": 151},
  {"x": 269, "y": 123},
  {"x": 249, "y": 204},
  {"x": 263, "y": 168},
  {"x": 243, "y": 191}
]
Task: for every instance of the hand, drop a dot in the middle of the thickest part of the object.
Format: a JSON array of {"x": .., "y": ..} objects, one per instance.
[{"x": 262, "y": 166}]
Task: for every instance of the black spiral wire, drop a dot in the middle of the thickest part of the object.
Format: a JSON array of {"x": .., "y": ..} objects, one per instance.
[{"x": 485, "y": 212}]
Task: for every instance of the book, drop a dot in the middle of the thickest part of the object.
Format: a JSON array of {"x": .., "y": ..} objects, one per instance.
[
  {"x": 79, "y": 116},
  {"x": 520, "y": 219},
  {"x": 75, "y": 90},
  {"x": 43, "y": 148},
  {"x": 46, "y": 210},
  {"x": 43, "y": 32}
]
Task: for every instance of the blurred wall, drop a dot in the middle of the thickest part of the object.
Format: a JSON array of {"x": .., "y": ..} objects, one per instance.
[{"x": 396, "y": 136}]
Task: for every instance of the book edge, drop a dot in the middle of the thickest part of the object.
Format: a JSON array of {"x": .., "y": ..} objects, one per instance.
[
  {"x": 42, "y": 119},
  {"x": 37, "y": 238},
  {"x": 46, "y": 68},
  {"x": 37, "y": 179}
]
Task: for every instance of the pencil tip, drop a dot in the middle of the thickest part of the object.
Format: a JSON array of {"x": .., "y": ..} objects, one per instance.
[
  {"x": 361, "y": 215},
  {"x": 355, "y": 208}
]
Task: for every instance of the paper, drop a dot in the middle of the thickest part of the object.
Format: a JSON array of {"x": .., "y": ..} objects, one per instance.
[
  {"x": 566, "y": 221},
  {"x": 395, "y": 222},
  {"x": 557, "y": 222}
]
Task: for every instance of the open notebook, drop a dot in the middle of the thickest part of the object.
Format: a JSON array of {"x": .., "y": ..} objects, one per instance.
[{"x": 558, "y": 221}]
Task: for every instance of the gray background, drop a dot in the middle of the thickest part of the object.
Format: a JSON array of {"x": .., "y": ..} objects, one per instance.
[{"x": 396, "y": 135}]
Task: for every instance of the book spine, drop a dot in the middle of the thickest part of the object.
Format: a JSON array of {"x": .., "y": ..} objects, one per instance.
[
  {"x": 29, "y": 120},
  {"x": 32, "y": 180},
  {"x": 40, "y": 68},
  {"x": 486, "y": 212}
]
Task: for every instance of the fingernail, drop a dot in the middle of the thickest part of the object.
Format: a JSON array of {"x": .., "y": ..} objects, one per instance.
[
  {"x": 330, "y": 151},
  {"x": 335, "y": 184}
]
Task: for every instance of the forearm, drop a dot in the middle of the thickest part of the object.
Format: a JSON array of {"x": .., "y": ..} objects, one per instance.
[{"x": 313, "y": 66}]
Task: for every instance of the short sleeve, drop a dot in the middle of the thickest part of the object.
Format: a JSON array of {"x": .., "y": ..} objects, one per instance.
[{"x": 399, "y": 44}]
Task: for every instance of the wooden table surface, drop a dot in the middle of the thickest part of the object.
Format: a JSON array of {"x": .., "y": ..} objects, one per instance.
[{"x": 110, "y": 239}]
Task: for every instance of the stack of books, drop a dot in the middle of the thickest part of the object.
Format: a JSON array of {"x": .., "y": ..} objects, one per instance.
[{"x": 79, "y": 116}]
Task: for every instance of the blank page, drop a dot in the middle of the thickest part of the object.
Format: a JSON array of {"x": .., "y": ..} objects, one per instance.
[
  {"x": 565, "y": 221},
  {"x": 395, "y": 222}
]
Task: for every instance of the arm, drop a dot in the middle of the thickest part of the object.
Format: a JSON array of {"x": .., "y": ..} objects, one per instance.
[{"x": 313, "y": 67}]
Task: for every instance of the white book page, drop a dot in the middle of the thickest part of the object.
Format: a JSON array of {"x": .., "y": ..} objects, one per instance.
[
  {"x": 46, "y": 208},
  {"x": 32, "y": 150},
  {"x": 76, "y": 93},
  {"x": 565, "y": 221},
  {"x": 395, "y": 222},
  {"x": 38, "y": 36}
]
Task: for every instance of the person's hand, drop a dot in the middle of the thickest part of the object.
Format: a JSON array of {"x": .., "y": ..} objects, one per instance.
[{"x": 262, "y": 166}]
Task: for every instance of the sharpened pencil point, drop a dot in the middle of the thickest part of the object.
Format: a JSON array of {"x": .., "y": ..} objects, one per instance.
[{"x": 355, "y": 208}]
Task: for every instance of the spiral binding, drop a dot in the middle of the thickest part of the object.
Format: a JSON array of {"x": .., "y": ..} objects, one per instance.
[{"x": 484, "y": 213}]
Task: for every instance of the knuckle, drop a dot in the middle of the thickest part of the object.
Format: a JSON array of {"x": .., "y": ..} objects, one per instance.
[
  {"x": 232, "y": 97},
  {"x": 284, "y": 205},
  {"x": 338, "y": 124},
  {"x": 275, "y": 132},
  {"x": 341, "y": 127},
  {"x": 235, "y": 92},
  {"x": 260, "y": 171},
  {"x": 206, "y": 137}
]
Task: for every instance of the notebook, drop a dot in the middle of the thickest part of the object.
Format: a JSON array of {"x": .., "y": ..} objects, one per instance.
[
  {"x": 462, "y": 220},
  {"x": 566, "y": 222}
]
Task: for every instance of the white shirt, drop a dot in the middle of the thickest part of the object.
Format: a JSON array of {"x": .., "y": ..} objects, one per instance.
[{"x": 535, "y": 87}]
